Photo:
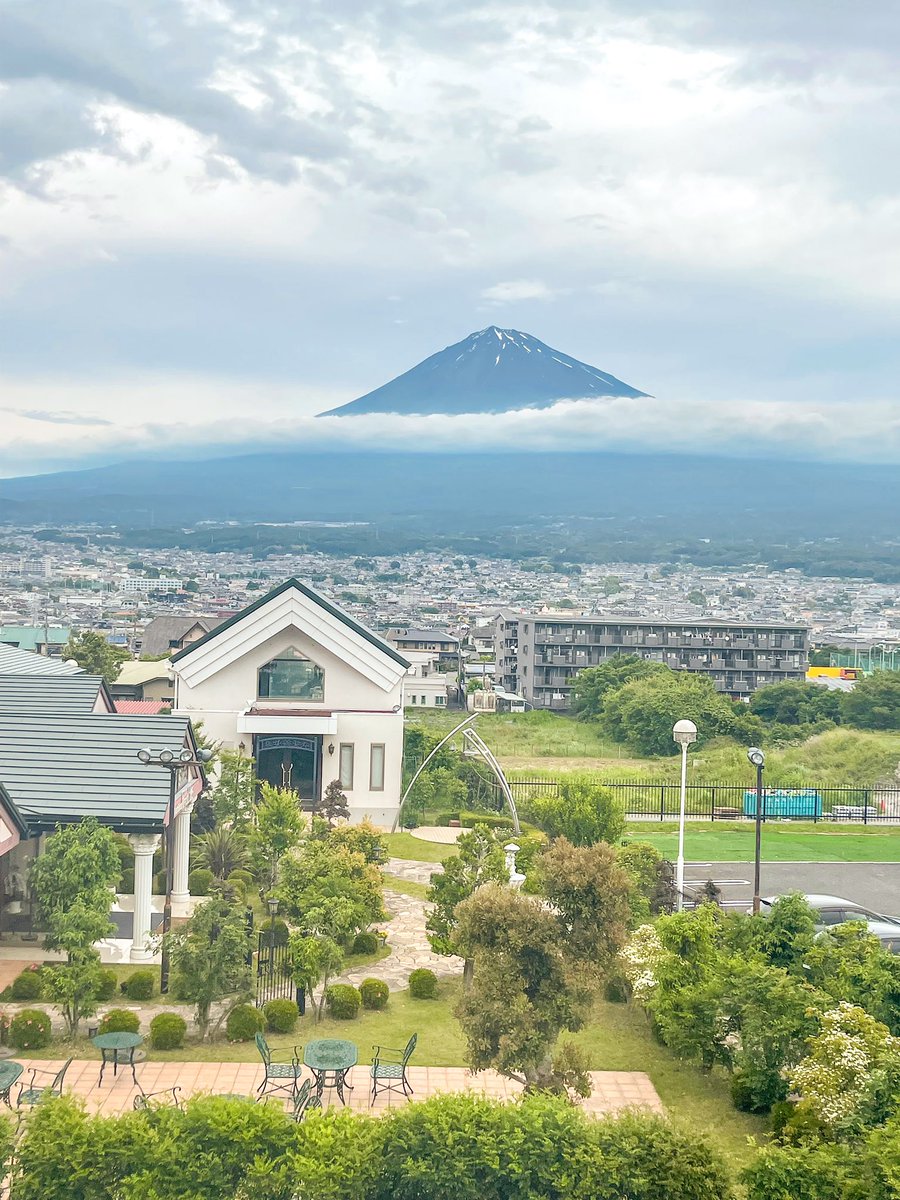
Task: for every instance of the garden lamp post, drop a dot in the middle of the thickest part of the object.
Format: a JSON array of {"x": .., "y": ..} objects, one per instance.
[
  {"x": 758, "y": 760},
  {"x": 684, "y": 733},
  {"x": 173, "y": 763},
  {"x": 272, "y": 903}
]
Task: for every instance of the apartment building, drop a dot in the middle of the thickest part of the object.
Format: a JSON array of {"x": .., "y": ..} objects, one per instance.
[{"x": 538, "y": 656}]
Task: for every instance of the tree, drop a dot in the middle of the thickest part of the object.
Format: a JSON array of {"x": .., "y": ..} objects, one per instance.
[
  {"x": 642, "y": 712},
  {"x": 594, "y": 683},
  {"x": 210, "y": 957},
  {"x": 652, "y": 881},
  {"x": 315, "y": 959},
  {"x": 794, "y": 702},
  {"x": 874, "y": 702},
  {"x": 234, "y": 791},
  {"x": 73, "y": 882},
  {"x": 334, "y": 805},
  {"x": 539, "y": 964},
  {"x": 222, "y": 850},
  {"x": 277, "y": 828},
  {"x": 332, "y": 890},
  {"x": 95, "y": 655},
  {"x": 438, "y": 788},
  {"x": 583, "y": 811},
  {"x": 479, "y": 860}
]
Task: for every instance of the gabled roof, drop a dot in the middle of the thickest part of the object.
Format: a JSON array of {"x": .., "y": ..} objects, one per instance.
[
  {"x": 60, "y": 767},
  {"x": 29, "y": 637},
  {"x": 135, "y": 672},
  {"x": 23, "y": 662},
  {"x": 54, "y": 693},
  {"x": 294, "y": 604},
  {"x": 159, "y": 633}
]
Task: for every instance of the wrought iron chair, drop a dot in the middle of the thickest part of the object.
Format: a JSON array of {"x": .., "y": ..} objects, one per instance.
[
  {"x": 305, "y": 1100},
  {"x": 33, "y": 1092},
  {"x": 280, "y": 1076},
  {"x": 389, "y": 1068},
  {"x": 165, "y": 1098}
]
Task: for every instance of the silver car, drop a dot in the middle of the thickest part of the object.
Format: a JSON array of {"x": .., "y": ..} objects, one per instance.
[{"x": 834, "y": 910}]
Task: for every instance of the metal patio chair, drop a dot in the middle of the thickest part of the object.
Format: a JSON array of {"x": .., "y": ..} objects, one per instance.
[
  {"x": 34, "y": 1092},
  {"x": 280, "y": 1076},
  {"x": 389, "y": 1069}
]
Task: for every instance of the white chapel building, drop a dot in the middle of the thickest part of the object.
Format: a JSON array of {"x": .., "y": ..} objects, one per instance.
[{"x": 308, "y": 692}]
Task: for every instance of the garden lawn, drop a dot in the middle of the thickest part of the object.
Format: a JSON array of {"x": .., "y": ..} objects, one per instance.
[
  {"x": 404, "y": 845},
  {"x": 782, "y": 841},
  {"x": 406, "y": 887}
]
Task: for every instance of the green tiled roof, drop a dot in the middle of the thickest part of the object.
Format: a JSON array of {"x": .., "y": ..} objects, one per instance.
[
  {"x": 60, "y": 767},
  {"x": 29, "y": 637}
]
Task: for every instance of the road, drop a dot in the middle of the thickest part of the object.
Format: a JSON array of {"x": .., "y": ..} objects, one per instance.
[{"x": 874, "y": 885}]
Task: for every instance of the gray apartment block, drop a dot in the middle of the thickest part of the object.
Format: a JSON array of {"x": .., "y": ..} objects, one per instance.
[{"x": 538, "y": 656}]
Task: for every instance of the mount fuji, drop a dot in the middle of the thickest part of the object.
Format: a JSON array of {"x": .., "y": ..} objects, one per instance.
[{"x": 495, "y": 370}]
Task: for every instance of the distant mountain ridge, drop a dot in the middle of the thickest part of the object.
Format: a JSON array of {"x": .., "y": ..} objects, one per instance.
[{"x": 494, "y": 370}]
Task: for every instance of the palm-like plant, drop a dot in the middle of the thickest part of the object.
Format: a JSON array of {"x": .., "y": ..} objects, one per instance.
[{"x": 222, "y": 851}]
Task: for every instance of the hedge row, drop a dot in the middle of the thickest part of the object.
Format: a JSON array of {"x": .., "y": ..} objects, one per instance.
[{"x": 455, "y": 1147}]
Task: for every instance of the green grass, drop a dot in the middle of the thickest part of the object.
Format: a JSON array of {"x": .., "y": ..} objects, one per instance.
[
  {"x": 406, "y": 887},
  {"x": 726, "y": 841},
  {"x": 404, "y": 845},
  {"x": 530, "y": 734},
  {"x": 352, "y": 962}
]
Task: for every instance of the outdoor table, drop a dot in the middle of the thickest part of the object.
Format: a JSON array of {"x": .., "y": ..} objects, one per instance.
[
  {"x": 330, "y": 1059},
  {"x": 9, "y": 1073},
  {"x": 111, "y": 1045}
]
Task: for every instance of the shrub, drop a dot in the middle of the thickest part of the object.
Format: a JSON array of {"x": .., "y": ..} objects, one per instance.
[
  {"x": 167, "y": 1031},
  {"x": 27, "y": 985},
  {"x": 343, "y": 1001},
  {"x": 139, "y": 986},
  {"x": 616, "y": 990},
  {"x": 648, "y": 1157},
  {"x": 200, "y": 881},
  {"x": 802, "y": 1172},
  {"x": 282, "y": 933},
  {"x": 374, "y": 993},
  {"x": 281, "y": 1015},
  {"x": 29, "y": 1030},
  {"x": 106, "y": 988},
  {"x": 365, "y": 943},
  {"x": 244, "y": 1023},
  {"x": 423, "y": 984},
  {"x": 126, "y": 883},
  {"x": 239, "y": 875},
  {"x": 444, "y": 818},
  {"x": 120, "y": 1020}
]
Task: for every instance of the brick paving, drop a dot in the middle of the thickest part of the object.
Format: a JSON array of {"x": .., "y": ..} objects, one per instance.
[{"x": 612, "y": 1090}]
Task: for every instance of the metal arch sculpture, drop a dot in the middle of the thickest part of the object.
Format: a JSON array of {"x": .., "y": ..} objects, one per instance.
[
  {"x": 471, "y": 738},
  {"x": 424, "y": 763}
]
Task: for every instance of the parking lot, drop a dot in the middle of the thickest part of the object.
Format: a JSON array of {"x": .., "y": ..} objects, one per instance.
[{"x": 874, "y": 885}]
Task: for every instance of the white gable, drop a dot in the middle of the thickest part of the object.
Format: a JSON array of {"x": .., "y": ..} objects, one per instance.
[{"x": 290, "y": 609}]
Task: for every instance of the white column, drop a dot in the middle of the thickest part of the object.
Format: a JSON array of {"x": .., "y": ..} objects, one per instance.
[
  {"x": 181, "y": 857},
  {"x": 145, "y": 846}
]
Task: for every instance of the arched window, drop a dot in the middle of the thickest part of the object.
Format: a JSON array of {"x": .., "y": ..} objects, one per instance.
[{"x": 291, "y": 676}]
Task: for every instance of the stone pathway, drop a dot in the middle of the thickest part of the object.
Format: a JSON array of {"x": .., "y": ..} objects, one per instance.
[
  {"x": 409, "y": 946},
  {"x": 612, "y": 1090},
  {"x": 415, "y": 872}
]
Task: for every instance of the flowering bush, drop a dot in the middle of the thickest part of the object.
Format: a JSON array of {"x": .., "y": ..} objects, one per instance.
[
  {"x": 640, "y": 959},
  {"x": 851, "y": 1072},
  {"x": 30, "y": 1030}
]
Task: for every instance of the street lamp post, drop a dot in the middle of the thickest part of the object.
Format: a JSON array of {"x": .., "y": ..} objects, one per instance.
[
  {"x": 758, "y": 760},
  {"x": 684, "y": 733},
  {"x": 173, "y": 764},
  {"x": 272, "y": 904}
]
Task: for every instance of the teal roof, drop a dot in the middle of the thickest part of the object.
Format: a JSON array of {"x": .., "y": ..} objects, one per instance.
[
  {"x": 311, "y": 594},
  {"x": 60, "y": 767},
  {"x": 29, "y": 637},
  {"x": 24, "y": 662}
]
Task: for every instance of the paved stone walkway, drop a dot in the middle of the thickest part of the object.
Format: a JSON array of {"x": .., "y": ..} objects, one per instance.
[
  {"x": 612, "y": 1090},
  {"x": 415, "y": 872},
  {"x": 409, "y": 946}
]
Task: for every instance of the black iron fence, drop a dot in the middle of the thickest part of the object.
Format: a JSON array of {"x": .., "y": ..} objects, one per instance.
[
  {"x": 660, "y": 800},
  {"x": 274, "y": 973}
]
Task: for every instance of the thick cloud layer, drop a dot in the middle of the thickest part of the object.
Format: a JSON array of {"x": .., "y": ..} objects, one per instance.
[{"x": 260, "y": 207}]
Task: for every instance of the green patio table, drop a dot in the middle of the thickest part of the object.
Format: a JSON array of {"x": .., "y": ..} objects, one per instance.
[
  {"x": 330, "y": 1059},
  {"x": 111, "y": 1046},
  {"x": 9, "y": 1073}
]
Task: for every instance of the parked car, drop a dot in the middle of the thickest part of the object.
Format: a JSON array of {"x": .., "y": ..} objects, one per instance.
[{"x": 834, "y": 910}]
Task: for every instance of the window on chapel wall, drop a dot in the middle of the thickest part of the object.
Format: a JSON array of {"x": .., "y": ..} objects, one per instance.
[{"x": 291, "y": 676}]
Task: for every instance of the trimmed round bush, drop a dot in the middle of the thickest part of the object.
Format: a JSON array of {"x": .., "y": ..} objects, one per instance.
[
  {"x": 200, "y": 881},
  {"x": 120, "y": 1020},
  {"x": 30, "y": 1030},
  {"x": 126, "y": 883},
  {"x": 244, "y": 1023},
  {"x": 139, "y": 986},
  {"x": 423, "y": 984},
  {"x": 239, "y": 875},
  {"x": 374, "y": 993},
  {"x": 365, "y": 943},
  {"x": 106, "y": 988},
  {"x": 27, "y": 985},
  {"x": 282, "y": 933},
  {"x": 281, "y": 1016},
  {"x": 167, "y": 1031},
  {"x": 342, "y": 1001}
]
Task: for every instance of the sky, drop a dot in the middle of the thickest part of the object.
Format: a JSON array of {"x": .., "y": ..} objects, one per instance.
[{"x": 218, "y": 219}]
